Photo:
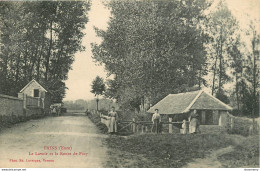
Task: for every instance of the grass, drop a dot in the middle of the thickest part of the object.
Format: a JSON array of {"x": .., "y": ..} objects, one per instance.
[
  {"x": 163, "y": 150},
  {"x": 95, "y": 118},
  {"x": 176, "y": 150},
  {"x": 245, "y": 154}
]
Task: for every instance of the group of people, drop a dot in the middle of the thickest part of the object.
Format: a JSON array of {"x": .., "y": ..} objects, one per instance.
[
  {"x": 190, "y": 126},
  {"x": 55, "y": 110}
]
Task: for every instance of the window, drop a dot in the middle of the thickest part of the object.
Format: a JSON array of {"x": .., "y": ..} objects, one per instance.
[{"x": 36, "y": 93}]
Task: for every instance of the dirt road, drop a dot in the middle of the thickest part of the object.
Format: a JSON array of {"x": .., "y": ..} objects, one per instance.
[
  {"x": 74, "y": 141},
  {"x": 211, "y": 160}
]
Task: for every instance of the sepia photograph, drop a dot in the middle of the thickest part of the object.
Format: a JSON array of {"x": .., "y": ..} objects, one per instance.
[{"x": 129, "y": 84}]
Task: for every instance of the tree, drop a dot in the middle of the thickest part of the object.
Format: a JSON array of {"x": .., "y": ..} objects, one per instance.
[
  {"x": 39, "y": 40},
  {"x": 250, "y": 74},
  {"x": 152, "y": 48},
  {"x": 98, "y": 87},
  {"x": 222, "y": 26},
  {"x": 237, "y": 57}
]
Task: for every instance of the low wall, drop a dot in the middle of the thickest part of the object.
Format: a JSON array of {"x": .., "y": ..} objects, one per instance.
[
  {"x": 32, "y": 112},
  {"x": 11, "y": 109}
]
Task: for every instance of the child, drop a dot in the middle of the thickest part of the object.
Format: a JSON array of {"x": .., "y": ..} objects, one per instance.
[{"x": 185, "y": 127}]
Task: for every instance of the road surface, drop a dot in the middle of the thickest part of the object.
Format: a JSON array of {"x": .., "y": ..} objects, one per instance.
[{"x": 65, "y": 141}]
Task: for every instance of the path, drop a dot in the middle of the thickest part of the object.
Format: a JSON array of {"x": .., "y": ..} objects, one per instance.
[
  {"x": 211, "y": 160},
  {"x": 75, "y": 131}
]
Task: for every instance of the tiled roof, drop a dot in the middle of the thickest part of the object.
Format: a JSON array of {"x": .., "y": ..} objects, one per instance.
[{"x": 183, "y": 102}]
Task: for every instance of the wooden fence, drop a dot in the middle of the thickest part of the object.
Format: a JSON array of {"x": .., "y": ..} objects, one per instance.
[
  {"x": 138, "y": 126},
  {"x": 34, "y": 102},
  {"x": 234, "y": 124}
]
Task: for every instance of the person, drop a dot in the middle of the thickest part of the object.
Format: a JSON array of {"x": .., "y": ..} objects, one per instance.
[
  {"x": 113, "y": 121},
  {"x": 185, "y": 127},
  {"x": 156, "y": 119},
  {"x": 194, "y": 122},
  {"x": 54, "y": 110},
  {"x": 58, "y": 111}
]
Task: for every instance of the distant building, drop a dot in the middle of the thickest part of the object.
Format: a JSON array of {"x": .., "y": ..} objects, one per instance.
[
  {"x": 211, "y": 111},
  {"x": 36, "y": 95},
  {"x": 34, "y": 89}
]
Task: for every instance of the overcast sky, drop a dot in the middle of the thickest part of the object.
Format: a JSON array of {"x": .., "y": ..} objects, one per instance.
[{"x": 85, "y": 70}]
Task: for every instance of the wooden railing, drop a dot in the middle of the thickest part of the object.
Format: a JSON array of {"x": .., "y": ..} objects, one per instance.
[
  {"x": 138, "y": 126},
  {"x": 142, "y": 126}
]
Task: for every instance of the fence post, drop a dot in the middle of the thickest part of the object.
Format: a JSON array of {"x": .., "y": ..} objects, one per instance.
[
  {"x": 137, "y": 127},
  {"x": 146, "y": 128},
  {"x": 170, "y": 125},
  {"x": 232, "y": 123},
  {"x": 39, "y": 102},
  {"x": 133, "y": 125},
  {"x": 23, "y": 97},
  {"x": 203, "y": 117},
  {"x": 142, "y": 128}
]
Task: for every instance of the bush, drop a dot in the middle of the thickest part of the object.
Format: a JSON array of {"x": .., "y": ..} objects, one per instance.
[{"x": 241, "y": 126}]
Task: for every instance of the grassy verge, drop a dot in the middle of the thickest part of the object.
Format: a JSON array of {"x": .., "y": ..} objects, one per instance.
[
  {"x": 165, "y": 151},
  {"x": 174, "y": 151},
  {"x": 95, "y": 118},
  {"x": 245, "y": 154}
]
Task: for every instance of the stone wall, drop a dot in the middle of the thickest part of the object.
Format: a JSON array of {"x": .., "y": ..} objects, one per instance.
[
  {"x": 11, "y": 109},
  {"x": 14, "y": 110}
]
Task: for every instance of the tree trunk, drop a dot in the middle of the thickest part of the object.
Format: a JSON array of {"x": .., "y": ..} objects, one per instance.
[
  {"x": 49, "y": 55},
  {"x": 97, "y": 102},
  {"x": 57, "y": 66},
  {"x": 17, "y": 69},
  {"x": 214, "y": 76},
  {"x": 5, "y": 73},
  {"x": 33, "y": 62},
  {"x": 220, "y": 63},
  {"x": 254, "y": 79},
  {"x": 237, "y": 95},
  {"x": 39, "y": 58}
]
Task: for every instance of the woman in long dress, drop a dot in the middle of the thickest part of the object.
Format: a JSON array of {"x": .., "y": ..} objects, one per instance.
[
  {"x": 113, "y": 121},
  {"x": 194, "y": 123}
]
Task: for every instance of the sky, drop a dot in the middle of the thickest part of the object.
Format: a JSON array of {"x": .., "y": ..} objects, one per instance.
[{"x": 84, "y": 69}]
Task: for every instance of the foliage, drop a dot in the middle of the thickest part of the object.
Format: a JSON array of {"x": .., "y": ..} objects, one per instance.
[
  {"x": 38, "y": 40},
  {"x": 98, "y": 86},
  {"x": 152, "y": 48},
  {"x": 251, "y": 83},
  {"x": 222, "y": 27},
  {"x": 245, "y": 70}
]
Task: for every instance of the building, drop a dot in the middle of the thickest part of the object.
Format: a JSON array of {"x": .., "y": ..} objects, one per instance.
[
  {"x": 179, "y": 106},
  {"x": 35, "y": 95}
]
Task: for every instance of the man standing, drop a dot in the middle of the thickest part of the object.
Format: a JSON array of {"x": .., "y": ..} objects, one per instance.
[{"x": 156, "y": 119}]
